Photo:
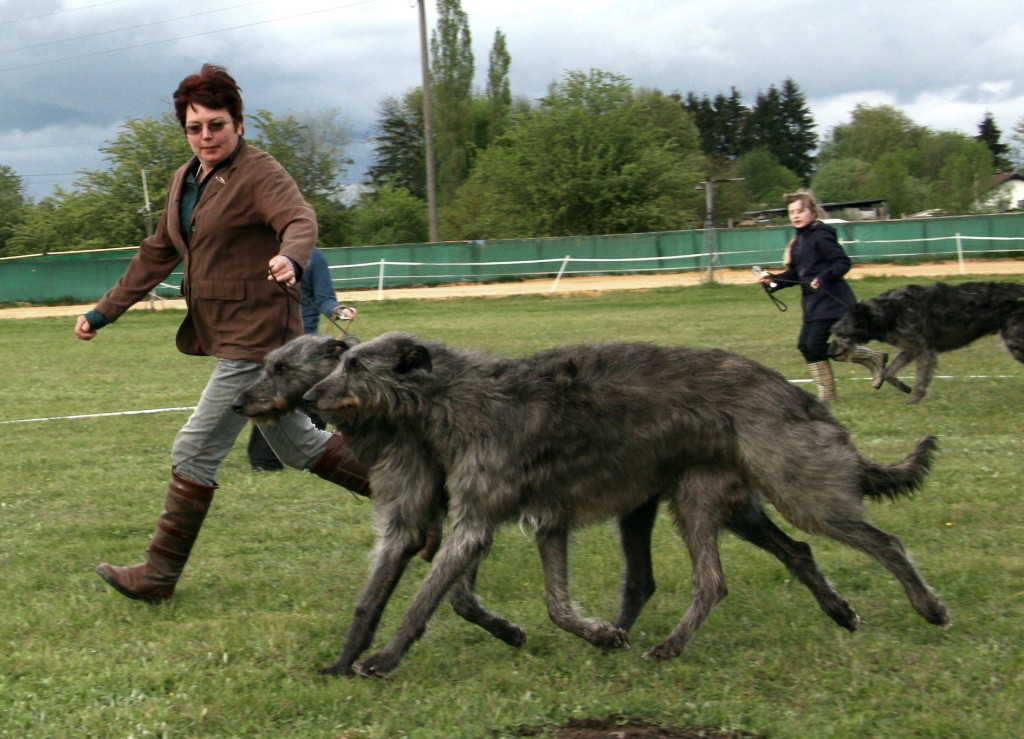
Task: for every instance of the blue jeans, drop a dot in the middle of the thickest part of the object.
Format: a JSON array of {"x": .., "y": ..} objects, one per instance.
[{"x": 210, "y": 432}]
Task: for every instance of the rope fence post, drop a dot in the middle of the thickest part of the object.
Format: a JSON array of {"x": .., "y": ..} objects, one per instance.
[
  {"x": 561, "y": 271},
  {"x": 960, "y": 254},
  {"x": 380, "y": 280}
]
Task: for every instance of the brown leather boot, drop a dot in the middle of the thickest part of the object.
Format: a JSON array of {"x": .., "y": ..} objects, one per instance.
[
  {"x": 176, "y": 530},
  {"x": 339, "y": 465}
]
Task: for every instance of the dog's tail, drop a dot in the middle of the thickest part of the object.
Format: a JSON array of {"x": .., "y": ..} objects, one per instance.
[{"x": 902, "y": 478}]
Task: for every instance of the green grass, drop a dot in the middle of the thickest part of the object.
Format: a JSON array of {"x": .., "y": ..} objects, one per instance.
[{"x": 269, "y": 591}]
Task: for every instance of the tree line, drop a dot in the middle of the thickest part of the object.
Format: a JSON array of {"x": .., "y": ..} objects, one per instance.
[{"x": 595, "y": 155}]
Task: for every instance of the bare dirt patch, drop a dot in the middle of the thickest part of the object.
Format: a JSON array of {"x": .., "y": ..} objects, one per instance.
[{"x": 616, "y": 727}]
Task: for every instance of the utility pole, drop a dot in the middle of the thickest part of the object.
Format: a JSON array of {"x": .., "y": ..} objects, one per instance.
[
  {"x": 147, "y": 209},
  {"x": 710, "y": 237},
  {"x": 428, "y": 129}
]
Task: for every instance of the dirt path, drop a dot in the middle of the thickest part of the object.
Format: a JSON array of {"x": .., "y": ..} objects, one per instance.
[{"x": 570, "y": 285}]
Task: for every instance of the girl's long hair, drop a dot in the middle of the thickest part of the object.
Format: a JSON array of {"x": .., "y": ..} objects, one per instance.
[{"x": 807, "y": 198}]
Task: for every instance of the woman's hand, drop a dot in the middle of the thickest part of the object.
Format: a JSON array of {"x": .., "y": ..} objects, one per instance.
[
  {"x": 83, "y": 330},
  {"x": 281, "y": 270}
]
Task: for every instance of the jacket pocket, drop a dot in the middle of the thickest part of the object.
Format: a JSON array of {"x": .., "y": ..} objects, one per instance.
[{"x": 217, "y": 289}]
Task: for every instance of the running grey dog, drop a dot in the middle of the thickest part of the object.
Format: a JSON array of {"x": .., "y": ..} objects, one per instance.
[
  {"x": 288, "y": 373},
  {"x": 924, "y": 320},
  {"x": 291, "y": 370},
  {"x": 579, "y": 434}
]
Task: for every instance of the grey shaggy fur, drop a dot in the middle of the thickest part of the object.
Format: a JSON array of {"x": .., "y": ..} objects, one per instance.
[
  {"x": 580, "y": 434},
  {"x": 924, "y": 320},
  {"x": 288, "y": 373}
]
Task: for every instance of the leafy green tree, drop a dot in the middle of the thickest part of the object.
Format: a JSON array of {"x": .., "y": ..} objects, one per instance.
[
  {"x": 12, "y": 204},
  {"x": 389, "y": 215},
  {"x": 592, "y": 158},
  {"x": 963, "y": 178},
  {"x": 1017, "y": 149},
  {"x": 452, "y": 70},
  {"x": 890, "y": 178},
  {"x": 765, "y": 179},
  {"x": 107, "y": 208},
  {"x": 990, "y": 135},
  {"x": 871, "y": 132},
  {"x": 399, "y": 158},
  {"x": 781, "y": 122},
  {"x": 722, "y": 123},
  {"x": 311, "y": 146},
  {"x": 841, "y": 180},
  {"x": 499, "y": 91}
]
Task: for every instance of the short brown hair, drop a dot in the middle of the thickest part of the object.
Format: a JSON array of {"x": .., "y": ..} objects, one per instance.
[{"x": 213, "y": 88}]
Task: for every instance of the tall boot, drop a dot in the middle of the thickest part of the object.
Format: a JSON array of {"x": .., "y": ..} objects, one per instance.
[
  {"x": 339, "y": 465},
  {"x": 874, "y": 360},
  {"x": 176, "y": 530},
  {"x": 821, "y": 373}
]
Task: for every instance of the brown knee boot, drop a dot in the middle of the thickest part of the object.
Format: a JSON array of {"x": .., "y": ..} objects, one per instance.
[
  {"x": 339, "y": 465},
  {"x": 176, "y": 531},
  {"x": 821, "y": 373}
]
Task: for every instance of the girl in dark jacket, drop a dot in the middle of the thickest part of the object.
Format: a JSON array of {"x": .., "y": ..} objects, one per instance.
[{"x": 816, "y": 262}]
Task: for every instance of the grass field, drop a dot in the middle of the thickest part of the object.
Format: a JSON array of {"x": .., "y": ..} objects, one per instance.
[{"x": 268, "y": 593}]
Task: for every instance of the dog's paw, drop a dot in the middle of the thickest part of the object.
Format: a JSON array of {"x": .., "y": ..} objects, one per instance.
[
  {"x": 378, "y": 665},
  {"x": 608, "y": 636},
  {"x": 335, "y": 670}
]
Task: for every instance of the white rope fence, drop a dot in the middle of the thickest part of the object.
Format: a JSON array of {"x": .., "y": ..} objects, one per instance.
[{"x": 398, "y": 272}]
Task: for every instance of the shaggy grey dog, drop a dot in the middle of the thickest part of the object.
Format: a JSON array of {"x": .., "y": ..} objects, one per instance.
[
  {"x": 288, "y": 373},
  {"x": 580, "y": 434},
  {"x": 924, "y": 320}
]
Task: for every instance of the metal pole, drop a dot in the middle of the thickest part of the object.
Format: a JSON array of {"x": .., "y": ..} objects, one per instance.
[
  {"x": 709, "y": 226},
  {"x": 428, "y": 129}
]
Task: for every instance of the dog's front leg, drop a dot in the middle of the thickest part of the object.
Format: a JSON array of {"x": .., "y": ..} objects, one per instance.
[
  {"x": 389, "y": 563},
  {"x": 459, "y": 554},
  {"x": 553, "y": 547}
]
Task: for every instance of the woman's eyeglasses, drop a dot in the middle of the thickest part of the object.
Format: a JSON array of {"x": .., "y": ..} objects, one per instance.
[{"x": 194, "y": 129}]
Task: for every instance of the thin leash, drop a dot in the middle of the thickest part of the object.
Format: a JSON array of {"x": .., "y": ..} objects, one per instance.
[
  {"x": 295, "y": 295},
  {"x": 761, "y": 272}
]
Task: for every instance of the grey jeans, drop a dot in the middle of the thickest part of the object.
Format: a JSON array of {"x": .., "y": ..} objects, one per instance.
[{"x": 206, "y": 438}]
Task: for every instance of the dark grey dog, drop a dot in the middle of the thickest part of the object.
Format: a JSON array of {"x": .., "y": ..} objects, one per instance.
[
  {"x": 288, "y": 373},
  {"x": 580, "y": 434},
  {"x": 924, "y": 320}
]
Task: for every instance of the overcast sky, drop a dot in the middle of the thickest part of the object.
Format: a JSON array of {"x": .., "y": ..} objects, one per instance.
[{"x": 73, "y": 71}]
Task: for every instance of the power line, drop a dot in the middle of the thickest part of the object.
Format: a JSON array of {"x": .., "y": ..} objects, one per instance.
[
  {"x": 132, "y": 28},
  {"x": 182, "y": 38},
  {"x": 58, "y": 12}
]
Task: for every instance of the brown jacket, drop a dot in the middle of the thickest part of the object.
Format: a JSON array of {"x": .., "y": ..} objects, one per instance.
[{"x": 249, "y": 212}]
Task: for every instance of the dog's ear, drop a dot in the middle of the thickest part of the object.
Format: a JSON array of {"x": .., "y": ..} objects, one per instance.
[
  {"x": 336, "y": 347},
  {"x": 410, "y": 356}
]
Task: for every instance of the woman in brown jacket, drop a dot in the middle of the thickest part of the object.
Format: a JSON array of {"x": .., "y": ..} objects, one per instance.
[{"x": 238, "y": 223}]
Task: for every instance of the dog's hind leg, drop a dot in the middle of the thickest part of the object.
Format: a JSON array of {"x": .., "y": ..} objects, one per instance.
[
  {"x": 698, "y": 507},
  {"x": 467, "y": 604},
  {"x": 901, "y": 360},
  {"x": 638, "y": 578},
  {"x": 553, "y": 547},
  {"x": 889, "y": 551},
  {"x": 753, "y": 524},
  {"x": 926, "y": 363}
]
